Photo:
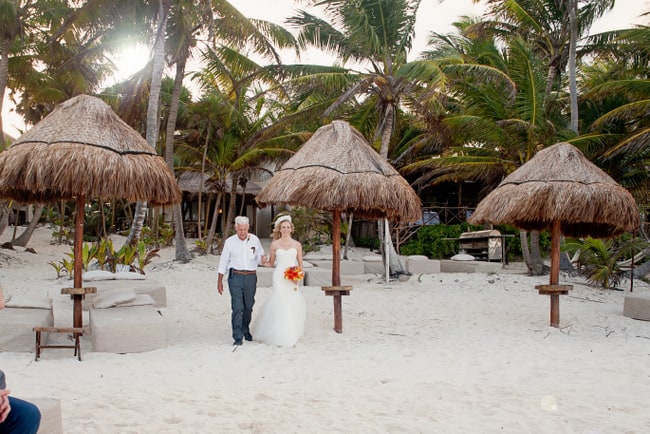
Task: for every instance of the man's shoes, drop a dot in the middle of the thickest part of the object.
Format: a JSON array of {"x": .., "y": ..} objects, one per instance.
[
  {"x": 248, "y": 337},
  {"x": 237, "y": 342}
]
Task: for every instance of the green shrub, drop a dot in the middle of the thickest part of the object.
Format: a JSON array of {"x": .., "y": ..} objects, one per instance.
[{"x": 431, "y": 241}]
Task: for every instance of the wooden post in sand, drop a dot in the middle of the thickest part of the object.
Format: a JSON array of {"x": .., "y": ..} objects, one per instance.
[
  {"x": 336, "y": 290},
  {"x": 554, "y": 289}
]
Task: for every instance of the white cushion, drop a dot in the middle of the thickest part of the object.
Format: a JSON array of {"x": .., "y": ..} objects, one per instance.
[
  {"x": 128, "y": 275},
  {"x": 140, "y": 300},
  {"x": 29, "y": 302},
  {"x": 113, "y": 297},
  {"x": 462, "y": 257},
  {"x": 372, "y": 258},
  {"x": 417, "y": 258},
  {"x": 95, "y": 275}
]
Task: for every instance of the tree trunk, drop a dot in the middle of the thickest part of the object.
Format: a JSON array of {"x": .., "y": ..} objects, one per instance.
[
  {"x": 213, "y": 223},
  {"x": 525, "y": 250},
  {"x": 201, "y": 184},
  {"x": 152, "y": 110},
  {"x": 573, "y": 87},
  {"x": 24, "y": 238},
  {"x": 182, "y": 253},
  {"x": 5, "y": 46},
  {"x": 537, "y": 264},
  {"x": 232, "y": 207},
  {"x": 348, "y": 237},
  {"x": 4, "y": 216},
  {"x": 385, "y": 130}
]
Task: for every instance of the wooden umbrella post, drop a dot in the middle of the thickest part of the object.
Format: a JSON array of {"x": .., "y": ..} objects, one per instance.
[
  {"x": 554, "y": 289},
  {"x": 336, "y": 290},
  {"x": 78, "y": 246},
  {"x": 78, "y": 293}
]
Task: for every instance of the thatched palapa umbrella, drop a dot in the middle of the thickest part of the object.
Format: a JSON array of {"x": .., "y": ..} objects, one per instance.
[
  {"x": 560, "y": 190},
  {"x": 337, "y": 170},
  {"x": 80, "y": 150}
]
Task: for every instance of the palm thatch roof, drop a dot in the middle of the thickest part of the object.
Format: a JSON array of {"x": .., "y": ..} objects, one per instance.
[
  {"x": 84, "y": 148},
  {"x": 336, "y": 169},
  {"x": 560, "y": 183},
  {"x": 190, "y": 182}
]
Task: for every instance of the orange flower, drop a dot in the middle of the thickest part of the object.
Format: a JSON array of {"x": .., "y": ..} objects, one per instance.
[{"x": 294, "y": 273}]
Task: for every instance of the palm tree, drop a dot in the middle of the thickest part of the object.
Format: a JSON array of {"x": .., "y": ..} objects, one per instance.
[
  {"x": 496, "y": 116},
  {"x": 379, "y": 34},
  {"x": 49, "y": 52},
  {"x": 548, "y": 25},
  {"x": 221, "y": 22},
  {"x": 244, "y": 121},
  {"x": 152, "y": 109}
]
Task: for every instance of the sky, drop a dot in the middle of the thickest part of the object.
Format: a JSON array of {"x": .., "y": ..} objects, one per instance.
[{"x": 433, "y": 15}]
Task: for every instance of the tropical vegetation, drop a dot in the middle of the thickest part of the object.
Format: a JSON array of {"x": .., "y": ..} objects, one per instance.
[{"x": 477, "y": 104}]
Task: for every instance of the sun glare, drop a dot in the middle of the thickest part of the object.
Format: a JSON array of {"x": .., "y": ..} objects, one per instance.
[{"x": 130, "y": 60}]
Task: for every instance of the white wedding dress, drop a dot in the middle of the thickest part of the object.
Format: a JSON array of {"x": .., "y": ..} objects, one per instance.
[{"x": 281, "y": 319}]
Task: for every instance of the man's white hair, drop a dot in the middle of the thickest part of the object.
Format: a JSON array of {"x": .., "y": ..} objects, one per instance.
[{"x": 241, "y": 220}]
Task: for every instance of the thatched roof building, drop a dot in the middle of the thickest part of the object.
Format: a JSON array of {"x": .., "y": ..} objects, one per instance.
[
  {"x": 560, "y": 184},
  {"x": 84, "y": 148},
  {"x": 336, "y": 169}
]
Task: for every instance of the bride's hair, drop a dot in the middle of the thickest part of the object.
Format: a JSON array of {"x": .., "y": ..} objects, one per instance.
[{"x": 278, "y": 222}]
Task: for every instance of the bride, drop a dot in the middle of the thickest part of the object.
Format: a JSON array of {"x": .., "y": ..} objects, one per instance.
[{"x": 281, "y": 319}]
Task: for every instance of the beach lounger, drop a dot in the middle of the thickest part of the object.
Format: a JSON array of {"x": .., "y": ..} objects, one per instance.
[
  {"x": 156, "y": 290},
  {"x": 131, "y": 326},
  {"x": 17, "y": 320}
]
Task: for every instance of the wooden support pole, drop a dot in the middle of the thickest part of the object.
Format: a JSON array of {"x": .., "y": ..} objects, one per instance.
[
  {"x": 554, "y": 291},
  {"x": 555, "y": 310},
  {"x": 555, "y": 272},
  {"x": 336, "y": 270},
  {"x": 337, "y": 292},
  {"x": 78, "y": 266}
]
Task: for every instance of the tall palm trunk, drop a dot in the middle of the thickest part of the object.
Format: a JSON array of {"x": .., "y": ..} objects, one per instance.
[
  {"x": 182, "y": 253},
  {"x": 152, "y": 110},
  {"x": 385, "y": 128},
  {"x": 531, "y": 252},
  {"x": 537, "y": 264},
  {"x": 213, "y": 223},
  {"x": 4, "y": 216},
  {"x": 573, "y": 87},
  {"x": 24, "y": 238},
  {"x": 232, "y": 207},
  {"x": 5, "y": 45}
]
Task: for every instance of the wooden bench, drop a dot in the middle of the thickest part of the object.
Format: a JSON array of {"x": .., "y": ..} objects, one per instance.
[{"x": 76, "y": 331}]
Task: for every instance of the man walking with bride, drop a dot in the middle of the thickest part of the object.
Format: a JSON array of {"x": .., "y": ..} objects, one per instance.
[{"x": 241, "y": 254}]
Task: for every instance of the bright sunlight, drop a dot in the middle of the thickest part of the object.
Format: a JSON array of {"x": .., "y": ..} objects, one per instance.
[{"x": 130, "y": 60}]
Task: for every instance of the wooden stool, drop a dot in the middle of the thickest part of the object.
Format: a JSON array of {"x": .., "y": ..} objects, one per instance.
[
  {"x": 554, "y": 291},
  {"x": 337, "y": 292},
  {"x": 77, "y": 331}
]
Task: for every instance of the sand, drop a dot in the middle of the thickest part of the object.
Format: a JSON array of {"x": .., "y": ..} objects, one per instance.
[{"x": 439, "y": 353}]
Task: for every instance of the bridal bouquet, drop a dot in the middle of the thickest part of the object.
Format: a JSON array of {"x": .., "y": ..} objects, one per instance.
[{"x": 294, "y": 274}]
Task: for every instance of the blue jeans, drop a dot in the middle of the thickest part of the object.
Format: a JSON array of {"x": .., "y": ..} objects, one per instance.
[
  {"x": 24, "y": 418},
  {"x": 242, "y": 298}
]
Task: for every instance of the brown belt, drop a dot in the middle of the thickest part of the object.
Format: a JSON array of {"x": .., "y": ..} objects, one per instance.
[{"x": 243, "y": 271}]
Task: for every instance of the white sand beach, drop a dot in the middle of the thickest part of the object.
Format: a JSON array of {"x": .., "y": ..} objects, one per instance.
[{"x": 439, "y": 353}]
